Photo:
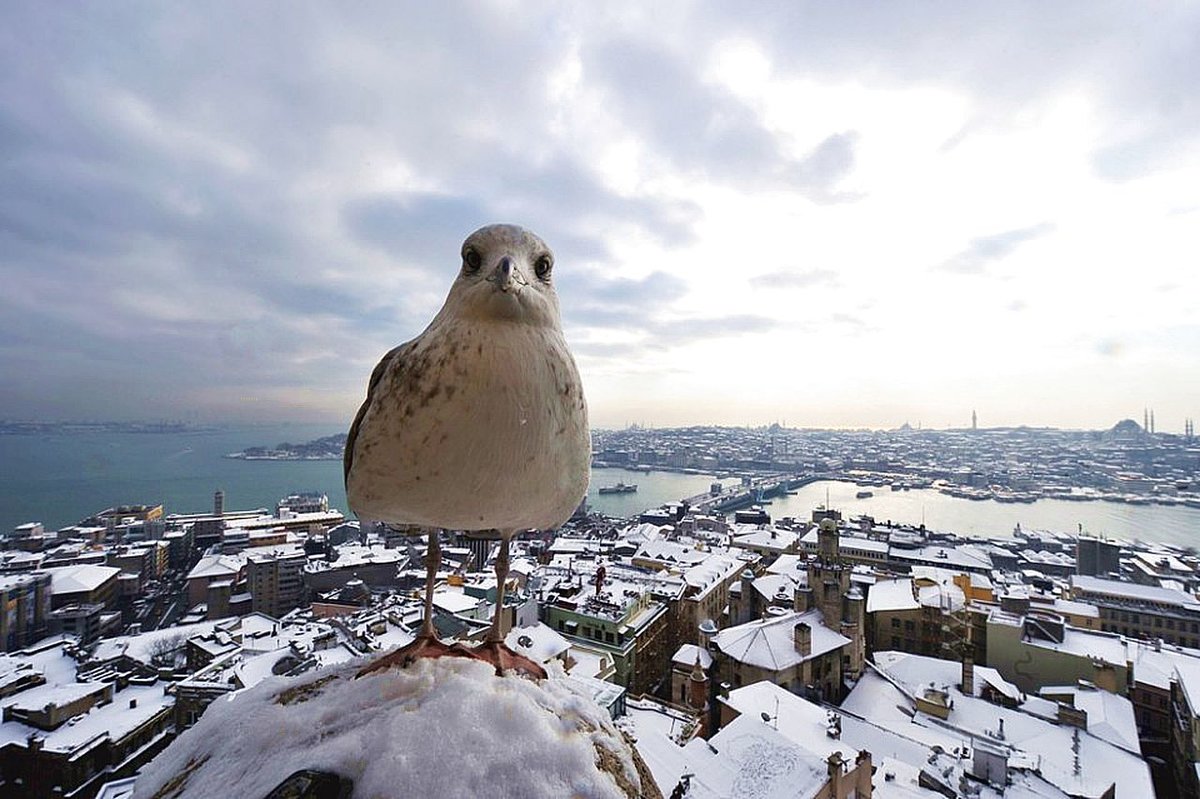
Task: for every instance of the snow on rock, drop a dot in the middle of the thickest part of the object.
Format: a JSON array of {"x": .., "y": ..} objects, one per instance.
[{"x": 445, "y": 727}]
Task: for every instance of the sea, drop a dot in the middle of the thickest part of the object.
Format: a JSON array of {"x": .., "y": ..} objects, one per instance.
[{"x": 58, "y": 479}]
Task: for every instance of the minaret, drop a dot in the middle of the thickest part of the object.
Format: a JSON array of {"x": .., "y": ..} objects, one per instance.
[
  {"x": 1145, "y": 420},
  {"x": 974, "y": 421},
  {"x": 1151, "y": 420}
]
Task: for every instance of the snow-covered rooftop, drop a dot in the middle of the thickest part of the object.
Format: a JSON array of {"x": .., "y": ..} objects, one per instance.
[
  {"x": 770, "y": 643},
  {"x": 891, "y": 595},
  {"x": 1119, "y": 590},
  {"x": 76, "y": 579}
]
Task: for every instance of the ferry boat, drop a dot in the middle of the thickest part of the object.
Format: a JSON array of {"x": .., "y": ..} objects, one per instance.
[{"x": 619, "y": 488}]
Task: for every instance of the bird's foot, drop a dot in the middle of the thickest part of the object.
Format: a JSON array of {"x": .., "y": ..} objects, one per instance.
[
  {"x": 504, "y": 660},
  {"x": 424, "y": 646}
]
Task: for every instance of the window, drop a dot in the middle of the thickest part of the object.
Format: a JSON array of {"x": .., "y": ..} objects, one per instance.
[
  {"x": 895, "y": 622},
  {"x": 895, "y": 642}
]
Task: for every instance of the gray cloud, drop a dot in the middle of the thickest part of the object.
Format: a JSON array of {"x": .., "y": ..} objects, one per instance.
[
  {"x": 704, "y": 128},
  {"x": 795, "y": 280},
  {"x": 1131, "y": 64},
  {"x": 674, "y": 332},
  {"x": 986, "y": 250},
  {"x": 169, "y": 177},
  {"x": 818, "y": 175}
]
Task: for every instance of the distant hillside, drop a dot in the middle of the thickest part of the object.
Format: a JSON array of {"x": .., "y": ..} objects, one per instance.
[{"x": 328, "y": 448}]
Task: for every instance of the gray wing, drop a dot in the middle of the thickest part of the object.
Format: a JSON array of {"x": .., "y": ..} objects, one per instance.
[{"x": 377, "y": 375}]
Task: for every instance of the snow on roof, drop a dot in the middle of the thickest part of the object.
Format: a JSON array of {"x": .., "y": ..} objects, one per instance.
[
  {"x": 141, "y": 647},
  {"x": 770, "y": 585},
  {"x": 1187, "y": 673},
  {"x": 770, "y": 643},
  {"x": 965, "y": 556},
  {"x": 1107, "y": 647},
  {"x": 112, "y": 720},
  {"x": 352, "y": 555},
  {"x": 671, "y": 552},
  {"x": 1155, "y": 665},
  {"x": 643, "y": 532},
  {"x": 9, "y": 581},
  {"x": 588, "y": 662},
  {"x": 35, "y": 699},
  {"x": 1134, "y": 591},
  {"x": 537, "y": 641},
  {"x": 764, "y": 537},
  {"x": 274, "y": 552},
  {"x": 1037, "y": 740},
  {"x": 653, "y": 728},
  {"x": 686, "y": 656},
  {"x": 75, "y": 579},
  {"x": 749, "y": 758},
  {"x": 789, "y": 564},
  {"x": 455, "y": 601},
  {"x": 1109, "y": 716},
  {"x": 945, "y": 596},
  {"x": 1068, "y": 606},
  {"x": 989, "y": 676},
  {"x": 217, "y": 566},
  {"x": 850, "y": 543},
  {"x": 891, "y": 595},
  {"x": 712, "y": 570},
  {"x": 442, "y": 727}
]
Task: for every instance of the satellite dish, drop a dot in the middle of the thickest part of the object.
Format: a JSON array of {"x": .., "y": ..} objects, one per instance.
[
  {"x": 765, "y": 716},
  {"x": 524, "y": 641}
]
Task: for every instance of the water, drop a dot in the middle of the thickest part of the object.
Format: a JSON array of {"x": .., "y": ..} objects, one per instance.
[
  {"x": 60, "y": 479},
  {"x": 987, "y": 519}
]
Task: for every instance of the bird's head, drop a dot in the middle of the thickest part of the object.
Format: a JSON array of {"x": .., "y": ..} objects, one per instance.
[{"x": 506, "y": 274}]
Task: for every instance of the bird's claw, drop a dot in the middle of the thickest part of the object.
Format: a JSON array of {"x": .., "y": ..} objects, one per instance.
[
  {"x": 505, "y": 660},
  {"x": 424, "y": 646}
]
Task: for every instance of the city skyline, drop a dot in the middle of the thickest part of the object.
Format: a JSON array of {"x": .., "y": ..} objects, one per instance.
[{"x": 829, "y": 217}]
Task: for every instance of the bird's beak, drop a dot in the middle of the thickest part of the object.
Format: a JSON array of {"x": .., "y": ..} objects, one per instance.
[{"x": 506, "y": 276}]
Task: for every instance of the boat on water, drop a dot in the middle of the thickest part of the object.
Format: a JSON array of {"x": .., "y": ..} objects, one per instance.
[
  {"x": 864, "y": 494},
  {"x": 619, "y": 488}
]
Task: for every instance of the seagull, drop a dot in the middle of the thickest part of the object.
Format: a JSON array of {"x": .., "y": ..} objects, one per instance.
[{"x": 479, "y": 423}]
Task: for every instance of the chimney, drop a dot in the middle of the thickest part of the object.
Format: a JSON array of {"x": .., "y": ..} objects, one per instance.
[
  {"x": 863, "y": 771},
  {"x": 802, "y": 599},
  {"x": 1076, "y": 717},
  {"x": 834, "y": 769},
  {"x": 967, "y": 686},
  {"x": 802, "y": 635}
]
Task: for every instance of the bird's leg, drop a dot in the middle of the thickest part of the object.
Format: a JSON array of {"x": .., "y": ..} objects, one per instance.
[
  {"x": 433, "y": 561},
  {"x": 496, "y": 634},
  {"x": 493, "y": 649},
  {"x": 426, "y": 644}
]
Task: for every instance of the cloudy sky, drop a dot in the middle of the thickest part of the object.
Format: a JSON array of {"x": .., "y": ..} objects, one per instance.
[{"x": 822, "y": 214}]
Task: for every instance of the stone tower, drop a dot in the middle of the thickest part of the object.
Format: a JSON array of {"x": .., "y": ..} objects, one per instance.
[{"x": 840, "y": 602}]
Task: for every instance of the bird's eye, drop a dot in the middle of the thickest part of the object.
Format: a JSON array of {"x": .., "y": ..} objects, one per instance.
[
  {"x": 543, "y": 266},
  {"x": 471, "y": 260}
]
